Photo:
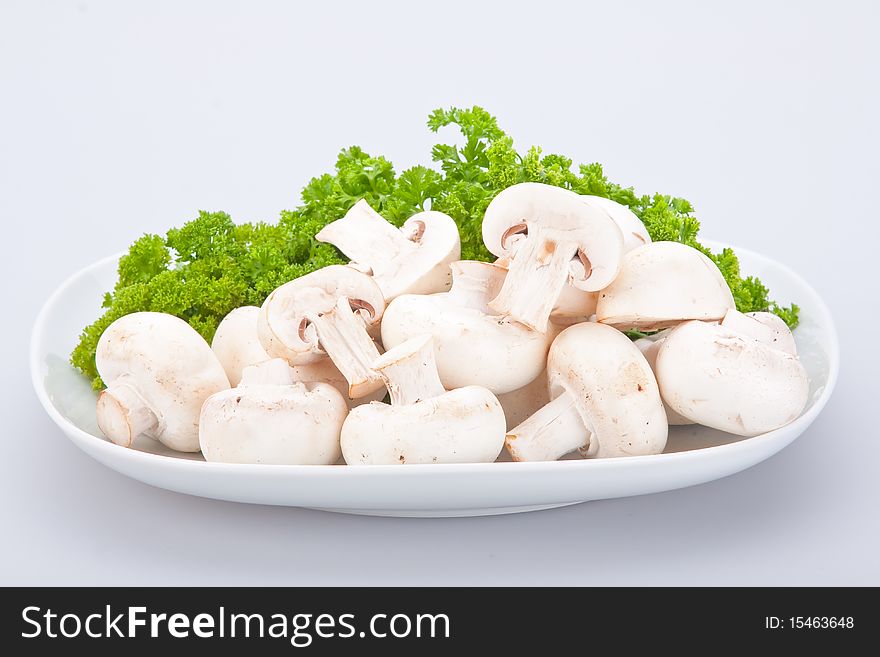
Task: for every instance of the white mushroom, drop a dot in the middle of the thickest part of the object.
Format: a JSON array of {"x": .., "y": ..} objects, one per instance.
[
  {"x": 269, "y": 418},
  {"x": 763, "y": 327},
  {"x": 326, "y": 313},
  {"x": 730, "y": 381},
  {"x": 158, "y": 371},
  {"x": 553, "y": 236},
  {"x": 472, "y": 345},
  {"x": 524, "y": 402},
  {"x": 650, "y": 347},
  {"x": 606, "y": 401},
  {"x": 572, "y": 306},
  {"x": 236, "y": 343},
  {"x": 663, "y": 284},
  {"x": 424, "y": 423},
  {"x": 634, "y": 232},
  {"x": 413, "y": 259}
]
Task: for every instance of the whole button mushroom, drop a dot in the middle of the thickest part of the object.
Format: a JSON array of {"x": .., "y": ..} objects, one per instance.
[
  {"x": 605, "y": 400},
  {"x": 270, "y": 418},
  {"x": 424, "y": 423},
  {"x": 326, "y": 313},
  {"x": 472, "y": 345},
  {"x": 553, "y": 236},
  {"x": 237, "y": 345},
  {"x": 413, "y": 259},
  {"x": 729, "y": 380},
  {"x": 663, "y": 284},
  {"x": 158, "y": 371}
]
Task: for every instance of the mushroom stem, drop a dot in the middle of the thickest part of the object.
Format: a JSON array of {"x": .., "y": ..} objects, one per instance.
[
  {"x": 410, "y": 371},
  {"x": 366, "y": 237},
  {"x": 538, "y": 272},
  {"x": 474, "y": 283},
  {"x": 552, "y": 432},
  {"x": 343, "y": 336},
  {"x": 123, "y": 414}
]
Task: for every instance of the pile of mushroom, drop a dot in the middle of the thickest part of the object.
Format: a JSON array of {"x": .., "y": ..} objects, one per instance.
[{"x": 530, "y": 352}]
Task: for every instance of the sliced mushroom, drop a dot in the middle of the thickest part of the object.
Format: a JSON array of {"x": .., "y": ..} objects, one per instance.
[
  {"x": 634, "y": 232},
  {"x": 552, "y": 236},
  {"x": 236, "y": 343},
  {"x": 158, "y": 371},
  {"x": 663, "y": 284},
  {"x": 270, "y": 418},
  {"x": 424, "y": 423},
  {"x": 650, "y": 348},
  {"x": 326, "y": 313},
  {"x": 605, "y": 400},
  {"x": 730, "y": 381},
  {"x": 472, "y": 345},
  {"x": 414, "y": 259}
]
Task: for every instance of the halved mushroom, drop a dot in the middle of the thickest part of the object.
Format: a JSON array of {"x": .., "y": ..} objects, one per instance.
[
  {"x": 730, "y": 381},
  {"x": 472, "y": 345},
  {"x": 237, "y": 345},
  {"x": 424, "y": 423},
  {"x": 326, "y": 313},
  {"x": 270, "y": 418},
  {"x": 572, "y": 306},
  {"x": 158, "y": 371},
  {"x": 663, "y": 284},
  {"x": 650, "y": 347},
  {"x": 553, "y": 236},
  {"x": 634, "y": 232},
  {"x": 606, "y": 401},
  {"x": 413, "y": 259}
]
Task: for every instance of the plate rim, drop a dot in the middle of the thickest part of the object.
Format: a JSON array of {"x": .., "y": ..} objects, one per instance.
[{"x": 78, "y": 435}]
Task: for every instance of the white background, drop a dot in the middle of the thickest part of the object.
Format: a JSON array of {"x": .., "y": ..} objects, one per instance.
[{"x": 122, "y": 118}]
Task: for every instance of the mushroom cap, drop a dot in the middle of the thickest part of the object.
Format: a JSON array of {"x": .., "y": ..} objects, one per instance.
[
  {"x": 283, "y": 316},
  {"x": 237, "y": 344},
  {"x": 650, "y": 347},
  {"x": 663, "y": 284},
  {"x": 728, "y": 381},
  {"x": 613, "y": 388},
  {"x": 273, "y": 424},
  {"x": 634, "y": 232},
  {"x": 411, "y": 260},
  {"x": 564, "y": 216},
  {"x": 470, "y": 347},
  {"x": 461, "y": 426},
  {"x": 171, "y": 367},
  {"x": 763, "y": 327}
]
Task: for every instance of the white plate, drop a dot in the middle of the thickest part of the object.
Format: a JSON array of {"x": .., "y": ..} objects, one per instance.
[{"x": 694, "y": 454}]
